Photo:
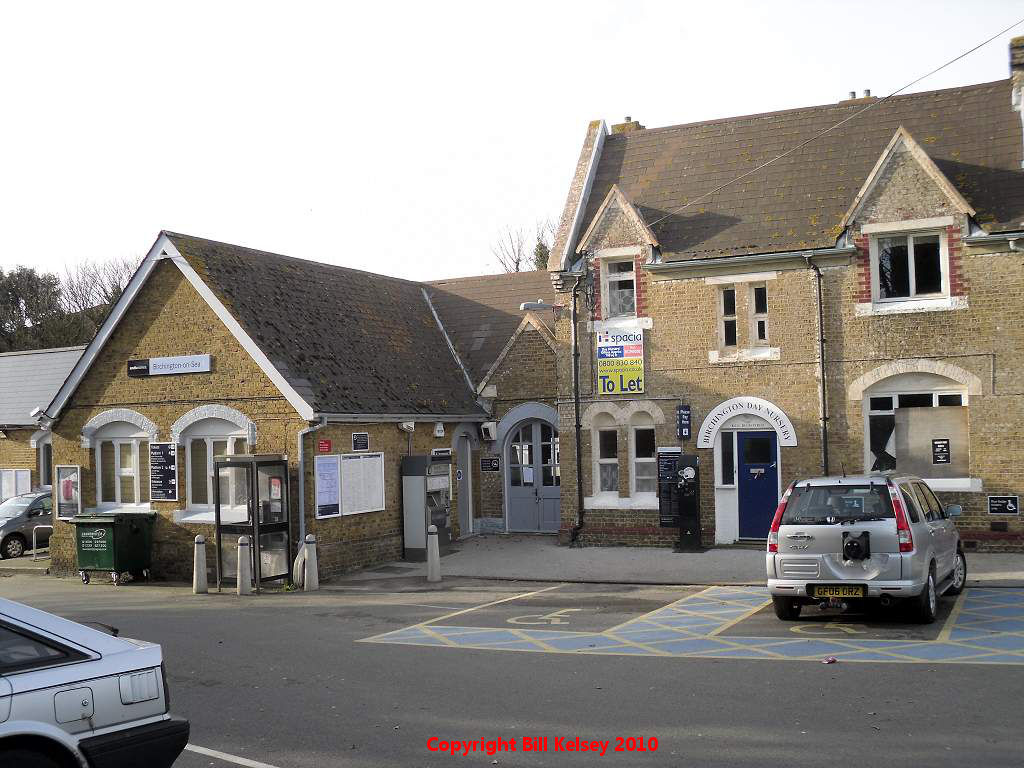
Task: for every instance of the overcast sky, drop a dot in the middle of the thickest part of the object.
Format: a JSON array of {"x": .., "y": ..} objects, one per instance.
[{"x": 401, "y": 138}]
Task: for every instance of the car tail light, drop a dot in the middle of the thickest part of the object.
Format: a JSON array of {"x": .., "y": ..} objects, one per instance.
[
  {"x": 773, "y": 534},
  {"x": 903, "y": 534},
  {"x": 167, "y": 691}
]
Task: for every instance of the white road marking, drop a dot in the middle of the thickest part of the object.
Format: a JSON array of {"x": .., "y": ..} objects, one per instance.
[{"x": 227, "y": 758}]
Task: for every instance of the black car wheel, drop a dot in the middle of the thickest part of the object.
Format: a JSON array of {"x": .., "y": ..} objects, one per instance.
[
  {"x": 786, "y": 608},
  {"x": 27, "y": 758},
  {"x": 12, "y": 546},
  {"x": 928, "y": 601},
  {"x": 959, "y": 575}
]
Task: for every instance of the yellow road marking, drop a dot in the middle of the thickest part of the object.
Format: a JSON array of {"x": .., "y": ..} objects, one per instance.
[
  {"x": 738, "y": 619},
  {"x": 662, "y": 608},
  {"x": 947, "y": 628}
]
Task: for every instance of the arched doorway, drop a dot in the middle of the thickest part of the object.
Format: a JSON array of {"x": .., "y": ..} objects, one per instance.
[
  {"x": 533, "y": 498},
  {"x": 745, "y": 434}
]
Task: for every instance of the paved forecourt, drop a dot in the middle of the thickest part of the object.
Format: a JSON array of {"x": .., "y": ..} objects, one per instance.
[{"x": 981, "y": 626}]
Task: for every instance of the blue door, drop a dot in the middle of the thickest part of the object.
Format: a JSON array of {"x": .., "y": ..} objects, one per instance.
[{"x": 757, "y": 483}]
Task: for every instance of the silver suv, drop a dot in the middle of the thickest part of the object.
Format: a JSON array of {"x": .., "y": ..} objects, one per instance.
[{"x": 838, "y": 541}]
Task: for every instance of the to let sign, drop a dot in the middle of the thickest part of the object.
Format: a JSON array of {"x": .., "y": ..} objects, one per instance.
[
  {"x": 620, "y": 362},
  {"x": 323, "y": 446}
]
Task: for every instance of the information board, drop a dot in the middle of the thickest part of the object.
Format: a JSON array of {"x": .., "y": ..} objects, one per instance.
[
  {"x": 668, "y": 487},
  {"x": 69, "y": 491},
  {"x": 1003, "y": 505},
  {"x": 490, "y": 464},
  {"x": 328, "y": 486},
  {"x": 362, "y": 483},
  {"x": 940, "y": 450},
  {"x": 360, "y": 441},
  {"x": 163, "y": 472}
]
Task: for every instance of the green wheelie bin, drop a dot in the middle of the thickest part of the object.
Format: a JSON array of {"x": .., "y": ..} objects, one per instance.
[{"x": 119, "y": 544}]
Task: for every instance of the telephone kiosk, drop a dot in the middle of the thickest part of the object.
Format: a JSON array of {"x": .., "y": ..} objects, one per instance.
[
  {"x": 679, "y": 496},
  {"x": 426, "y": 501}
]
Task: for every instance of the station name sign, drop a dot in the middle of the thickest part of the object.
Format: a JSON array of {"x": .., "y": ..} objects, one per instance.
[{"x": 168, "y": 366}]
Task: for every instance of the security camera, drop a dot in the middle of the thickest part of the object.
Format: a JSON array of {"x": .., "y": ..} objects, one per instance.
[
  {"x": 489, "y": 430},
  {"x": 407, "y": 426}
]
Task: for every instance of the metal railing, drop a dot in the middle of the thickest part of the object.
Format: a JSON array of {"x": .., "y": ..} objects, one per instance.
[{"x": 35, "y": 549}]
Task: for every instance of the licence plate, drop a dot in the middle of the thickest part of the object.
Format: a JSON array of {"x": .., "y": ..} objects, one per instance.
[{"x": 837, "y": 590}]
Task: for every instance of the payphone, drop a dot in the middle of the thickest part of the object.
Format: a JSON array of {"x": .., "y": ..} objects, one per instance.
[
  {"x": 679, "y": 496},
  {"x": 426, "y": 501}
]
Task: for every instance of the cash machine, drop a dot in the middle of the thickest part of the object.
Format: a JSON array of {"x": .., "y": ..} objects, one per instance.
[
  {"x": 679, "y": 496},
  {"x": 426, "y": 501}
]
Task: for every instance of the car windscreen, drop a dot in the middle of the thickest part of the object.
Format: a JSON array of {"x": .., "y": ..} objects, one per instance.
[
  {"x": 15, "y": 506},
  {"x": 825, "y": 504}
]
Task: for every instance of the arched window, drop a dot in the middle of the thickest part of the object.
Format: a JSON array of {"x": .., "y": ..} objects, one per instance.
[
  {"x": 643, "y": 476},
  {"x": 605, "y": 450},
  {"x": 917, "y": 423},
  {"x": 203, "y": 440},
  {"x": 122, "y": 466}
]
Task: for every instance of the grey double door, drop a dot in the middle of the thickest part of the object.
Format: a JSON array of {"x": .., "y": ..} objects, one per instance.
[{"x": 534, "y": 493}]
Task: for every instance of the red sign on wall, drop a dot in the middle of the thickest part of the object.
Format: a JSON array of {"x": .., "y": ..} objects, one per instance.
[{"x": 323, "y": 446}]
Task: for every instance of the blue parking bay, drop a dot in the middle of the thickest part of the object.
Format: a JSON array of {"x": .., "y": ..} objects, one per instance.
[{"x": 985, "y": 626}]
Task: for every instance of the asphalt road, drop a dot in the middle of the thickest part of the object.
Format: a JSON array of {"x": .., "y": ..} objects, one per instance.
[{"x": 280, "y": 679}]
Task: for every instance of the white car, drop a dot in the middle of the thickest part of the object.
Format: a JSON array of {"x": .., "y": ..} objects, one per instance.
[{"x": 74, "y": 697}]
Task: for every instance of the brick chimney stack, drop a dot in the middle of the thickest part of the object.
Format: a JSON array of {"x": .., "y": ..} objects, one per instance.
[
  {"x": 1017, "y": 60},
  {"x": 629, "y": 124}
]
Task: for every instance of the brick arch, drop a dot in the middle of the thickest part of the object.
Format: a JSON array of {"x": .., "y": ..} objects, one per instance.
[
  {"x": 642, "y": 406},
  {"x": 113, "y": 416},
  {"x": 212, "y": 411},
  {"x": 859, "y": 385},
  {"x": 593, "y": 410}
]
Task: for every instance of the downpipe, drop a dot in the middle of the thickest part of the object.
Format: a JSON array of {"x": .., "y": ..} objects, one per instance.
[
  {"x": 574, "y": 536},
  {"x": 822, "y": 389},
  {"x": 300, "y": 554}
]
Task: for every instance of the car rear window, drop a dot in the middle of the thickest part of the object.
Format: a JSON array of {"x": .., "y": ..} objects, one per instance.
[
  {"x": 20, "y": 651},
  {"x": 825, "y": 504}
]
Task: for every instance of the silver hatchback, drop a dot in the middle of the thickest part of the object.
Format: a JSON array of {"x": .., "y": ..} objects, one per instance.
[{"x": 839, "y": 541}]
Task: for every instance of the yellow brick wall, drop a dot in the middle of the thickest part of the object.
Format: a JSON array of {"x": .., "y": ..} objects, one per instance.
[{"x": 16, "y": 452}]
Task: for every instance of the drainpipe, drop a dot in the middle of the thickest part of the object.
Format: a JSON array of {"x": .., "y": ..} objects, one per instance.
[
  {"x": 575, "y": 535},
  {"x": 302, "y": 476},
  {"x": 822, "y": 390}
]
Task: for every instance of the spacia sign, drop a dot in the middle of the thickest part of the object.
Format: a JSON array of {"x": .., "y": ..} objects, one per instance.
[{"x": 620, "y": 362}]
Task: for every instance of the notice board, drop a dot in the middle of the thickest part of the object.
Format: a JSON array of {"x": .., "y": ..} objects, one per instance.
[
  {"x": 163, "y": 472},
  {"x": 362, "y": 483}
]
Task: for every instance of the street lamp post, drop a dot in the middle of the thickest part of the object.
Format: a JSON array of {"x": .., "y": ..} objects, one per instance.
[{"x": 575, "y": 347}]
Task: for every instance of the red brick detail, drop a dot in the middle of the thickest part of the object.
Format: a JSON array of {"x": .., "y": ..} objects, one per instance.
[
  {"x": 957, "y": 280},
  {"x": 596, "y": 266},
  {"x": 863, "y": 266},
  {"x": 641, "y": 282}
]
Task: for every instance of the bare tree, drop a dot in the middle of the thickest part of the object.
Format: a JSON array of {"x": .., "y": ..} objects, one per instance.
[
  {"x": 89, "y": 290},
  {"x": 510, "y": 250}
]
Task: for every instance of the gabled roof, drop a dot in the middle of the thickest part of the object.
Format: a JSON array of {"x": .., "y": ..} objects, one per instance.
[
  {"x": 333, "y": 340},
  {"x": 903, "y": 139},
  {"x": 30, "y": 379},
  {"x": 482, "y": 313},
  {"x": 616, "y": 199},
  {"x": 970, "y": 133}
]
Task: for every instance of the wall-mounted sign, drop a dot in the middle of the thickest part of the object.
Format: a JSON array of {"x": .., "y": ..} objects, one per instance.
[
  {"x": 490, "y": 464},
  {"x": 69, "y": 490},
  {"x": 620, "y": 362},
  {"x": 323, "y": 446},
  {"x": 444, "y": 452},
  {"x": 327, "y": 470},
  {"x": 940, "y": 450},
  {"x": 360, "y": 441},
  {"x": 1003, "y": 505},
  {"x": 750, "y": 406},
  {"x": 168, "y": 366},
  {"x": 683, "y": 421},
  {"x": 163, "y": 472}
]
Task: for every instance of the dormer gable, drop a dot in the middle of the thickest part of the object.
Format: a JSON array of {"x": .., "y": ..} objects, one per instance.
[
  {"x": 616, "y": 224},
  {"x": 905, "y": 184}
]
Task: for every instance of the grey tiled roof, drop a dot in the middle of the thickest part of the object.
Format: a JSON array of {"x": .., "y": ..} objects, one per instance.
[
  {"x": 348, "y": 341},
  {"x": 971, "y": 133},
  {"x": 30, "y": 379},
  {"x": 480, "y": 314}
]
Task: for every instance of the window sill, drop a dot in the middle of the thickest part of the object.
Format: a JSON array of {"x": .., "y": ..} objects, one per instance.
[
  {"x": 948, "y": 484},
  {"x": 911, "y": 306},
  {"x": 608, "y": 500},
  {"x": 205, "y": 516},
  {"x": 626, "y": 322},
  {"x": 745, "y": 355},
  {"x": 142, "y": 509}
]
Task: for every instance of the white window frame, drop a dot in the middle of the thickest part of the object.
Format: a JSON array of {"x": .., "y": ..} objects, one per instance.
[
  {"x": 722, "y": 317},
  {"x": 868, "y": 412},
  {"x": 608, "y": 277},
  {"x": 598, "y": 461},
  {"x": 120, "y": 472},
  {"x": 199, "y": 510},
  {"x": 720, "y": 480},
  {"x": 756, "y": 317},
  {"x": 634, "y": 461},
  {"x": 876, "y": 297}
]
